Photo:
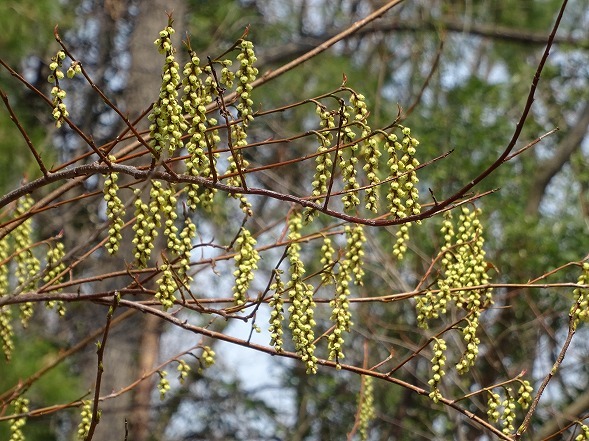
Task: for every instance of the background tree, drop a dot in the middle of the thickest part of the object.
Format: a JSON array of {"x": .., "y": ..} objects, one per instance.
[{"x": 461, "y": 75}]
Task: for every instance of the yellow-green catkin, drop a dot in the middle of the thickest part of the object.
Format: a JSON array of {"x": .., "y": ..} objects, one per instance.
[
  {"x": 432, "y": 305},
  {"x": 163, "y": 200},
  {"x": 465, "y": 264},
  {"x": 403, "y": 195},
  {"x": 340, "y": 313},
  {"x": 350, "y": 266},
  {"x": 366, "y": 406},
  {"x": 508, "y": 415},
  {"x": 74, "y": 69},
  {"x": 183, "y": 371},
  {"x": 207, "y": 359},
  {"x": 402, "y": 238},
  {"x": 328, "y": 262},
  {"x": 347, "y": 159},
  {"x": 145, "y": 228},
  {"x": 115, "y": 211},
  {"x": 246, "y": 75},
  {"x": 167, "y": 119},
  {"x": 349, "y": 173},
  {"x": 27, "y": 265},
  {"x": 277, "y": 312},
  {"x": 323, "y": 161},
  {"x": 237, "y": 166},
  {"x": 186, "y": 236},
  {"x": 469, "y": 333},
  {"x": 55, "y": 266},
  {"x": 584, "y": 435},
  {"x": 438, "y": 362},
  {"x": 355, "y": 240},
  {"x": 580, "y": 309},
  {"x": 163, "y": 385},
  {"x": 493, "y": 406},
  {"x": 246, "y": 263},
  {"x": 372, "y": 154},
  {"x": 524, "y": 394},
  {"x": 166, "y": 286},
  {"x": 4, "y": 252},
  {"x": 301, "y": 321},
  {"x": 350, "y": 198},
  {"x": 6, "y": 330},
  {"x": 501, "y": 405},
  {"x": 202, "y": 140},
  {"x": 20, "y": 405},
  {"x": 85, "y": 419},
  {"x": 57, "y": 93}
]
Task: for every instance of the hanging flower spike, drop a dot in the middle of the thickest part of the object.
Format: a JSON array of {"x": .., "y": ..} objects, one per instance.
[
  {"x": 115, "y": 211},
  {"x": 366, "y": 405},
  {"x": 327, "y": 253},
  {"x": 400, "y": 246},
  {"x": 166, "y": 287},
  {"x": 183, "y": 371},
  {"x": 403, "y": 195},
  {"x": 323, "y": 160},
  {"x": 246, "y": 75},
  {"x": 347, "y": 160},
  {"x": 277, "y": 312},
  {"x": 469, "y": 333},
  {"x": 167, "y": 119},
  {"x": 340, "y": 314},
  {"x": 580, "y": 309},
  {"x": 301, "y": 295},
  {"x": 195, "y": 100},
  {"x": 163, "y": 200},
  {"x": 584, "y": 435},
  {"x": 188, "y": 233},
  {"x": 207, "y": 359},
  {"x": 55, "y": 266},
  {"x": 246, "y": 263},
  {"x": 372, "y": 154},
  {"x": 58, "y": 94},
  {"x": 27, "y": 265},
  {"x": 438, "y": 363},
  {"x": 163, "y": 385},
  {"x": 86, "y": 420},
  {"x": 6, "y": 330},
  {"x": 145, "y": 230},
  {"x": 236, "y": 163},
  {"x": 21, "y": 405},
  {"x": 468, "y": 266}
]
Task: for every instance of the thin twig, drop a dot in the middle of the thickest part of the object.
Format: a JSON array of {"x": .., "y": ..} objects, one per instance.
[
  {"x": 528, "y": 418},
  {"x": 24, "y": 134},
  {"x": 100, "y": 368}
]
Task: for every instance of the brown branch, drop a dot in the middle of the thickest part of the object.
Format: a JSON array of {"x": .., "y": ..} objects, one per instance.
[
  {"x": 528, "y": 418},
  {"x": 24, "y": 134},
  {"x": 519, "y": 126},
  {"x": 430, "y": 75},
  {"x": 352, "y": 29},
  {"x": 305, "y": 43},
  {"x": 100, "y": 369},
  {"x": 330, "y": 364}
]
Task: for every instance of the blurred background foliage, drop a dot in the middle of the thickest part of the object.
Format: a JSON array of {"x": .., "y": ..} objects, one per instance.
[{"x": 467, "y": 67}]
